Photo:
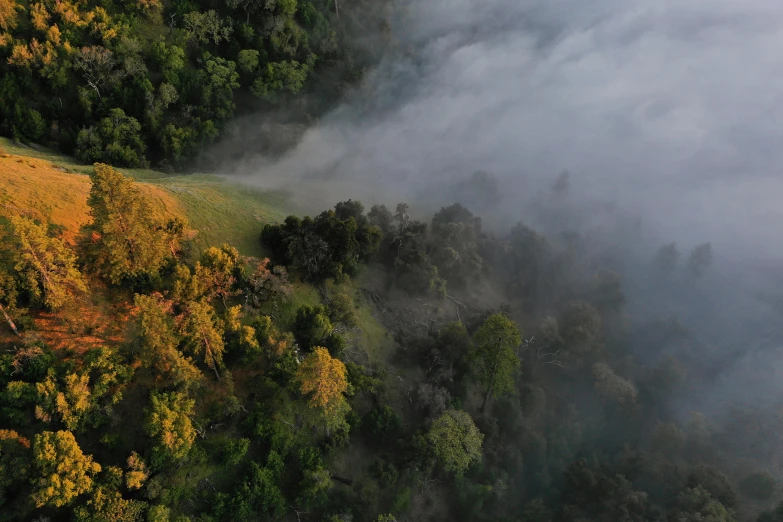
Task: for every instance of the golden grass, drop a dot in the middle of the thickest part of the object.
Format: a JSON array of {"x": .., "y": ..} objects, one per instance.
[{"x": 48, "y": 193}]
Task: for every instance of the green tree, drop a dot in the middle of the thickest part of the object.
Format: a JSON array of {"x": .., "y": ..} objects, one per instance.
[
  {"x": 278, "y": 78},
  {"x": 247, "y": 60},
  {"x": 218, "y": 79},
  {"x": 47, "y": 267},
  {"x": 63, "y": 471},
  {"x": 455, "y": 441},
  {"x": 159, "y": 341},
  {"x": 207, "y": 27},
  {"x": 116, "y": 140},
  {"x": 494, "y": 356},
  {"x": 15, "y": 460},
  {"x": 697, "y": 505},
  {"x": 169, "y": 422},
  {"x": 128, "y": 241}
]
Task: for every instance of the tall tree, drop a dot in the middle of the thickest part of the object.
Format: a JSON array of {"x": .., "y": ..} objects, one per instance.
[
  {"x": 323, "y": 379},
  {"x": 131, "y": 242},
  {"x": 169, "y": 423},
  {"x": 456, "y": 441},
  {"x": 494, "y": 355},
  {"x": 47, "y": 266},
  {"x": 63, "y": 471},
  {"x": 203, "y": 332},
  {"x": 8, "y": 9},
  {"x": 159, "y": 341}
]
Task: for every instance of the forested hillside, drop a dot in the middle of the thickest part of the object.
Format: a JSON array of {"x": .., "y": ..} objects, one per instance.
[
  {"x": 373, "y": 367},
  {"x": 154, "y": 83}
]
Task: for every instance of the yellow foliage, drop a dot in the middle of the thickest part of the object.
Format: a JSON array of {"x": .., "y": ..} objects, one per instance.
[
  {"x": 40, "y": 16},
  {"x": 53, "y": 34},
  {"x": 43, "y": 53},
  {"x": 102, "y": 25},
  {"x": 8, "y": 9},
  {"x": 324, "y": 379},
  {"x": 137, "y": 474},
  {"x": 20, "y": 56},
  {"x": 5, "y": 39},
  {"x": 65, "y": 472},
  {"x": 69, "y": 14}
]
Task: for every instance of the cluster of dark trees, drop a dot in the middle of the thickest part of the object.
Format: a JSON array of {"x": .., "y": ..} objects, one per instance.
[
  {"x": 150, "y": 82},
  {"x": 444, "y": 373}
]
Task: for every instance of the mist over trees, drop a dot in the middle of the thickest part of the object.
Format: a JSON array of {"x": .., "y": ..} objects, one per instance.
[{"x": 376, "y": 367}]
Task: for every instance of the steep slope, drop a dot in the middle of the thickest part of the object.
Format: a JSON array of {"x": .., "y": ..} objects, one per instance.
[{"x": 54, "y": 189}]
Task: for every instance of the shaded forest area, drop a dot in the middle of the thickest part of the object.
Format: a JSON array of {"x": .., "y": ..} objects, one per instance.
[
  {"x": 375, "y": 367},
  {"x": 154, "y": 83}
]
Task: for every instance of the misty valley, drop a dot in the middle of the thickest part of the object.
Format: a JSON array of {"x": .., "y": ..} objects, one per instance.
[{"x": 390, "y": 261}]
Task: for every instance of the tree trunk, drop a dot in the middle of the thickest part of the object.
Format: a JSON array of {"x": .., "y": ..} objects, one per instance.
[
  {"x": 489, "y": 393},
  {"x": 9, "y": 320}
]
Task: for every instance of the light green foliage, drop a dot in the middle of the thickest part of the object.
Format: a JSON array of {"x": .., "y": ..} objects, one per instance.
[
  {"x": 247, "y": 60},
  {"x": 131, "y": 243},
  {"x": 278, "y": 78},
  {"x": 207, "y": 27},
  {"x": 46, "y": 267},
  {"x": 168, "y": 422},
  {"x": 455, "y": 441},
  {"x": 218, "y": 79},
  {"x": 106, "y": 504},
  {"x": 494, "y": 356},
  {"x": 63, "y": 472}
]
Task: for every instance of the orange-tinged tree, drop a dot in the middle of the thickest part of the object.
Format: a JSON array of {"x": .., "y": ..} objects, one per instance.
[
  {"x": 64, "y": 472},
  {"x": 324, "y": 380},
  {"x": 8, "y": 9},
  {"x": 46, "y": 265}
]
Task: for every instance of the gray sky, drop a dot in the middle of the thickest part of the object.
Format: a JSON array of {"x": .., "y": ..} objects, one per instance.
[{"x": 670, "y": 108}]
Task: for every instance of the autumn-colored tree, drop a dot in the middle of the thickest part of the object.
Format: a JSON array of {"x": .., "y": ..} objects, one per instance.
[
  {"x": 169, "y": 423},
  {"x": 15, "y": 460},
  {"x": 494, "y": 355},
  {"x": 137, "y": 472},
  {"x": 323, "y": 379},
  {"x": 8, "y": 9},
  {"x": 131, "y": 242},
  {"x": 63, "y": 471},
  {"x": 203, "y": 332},
  {"x": 46, "y": 265},
  {"x": 159, "y": 341},
  {"x": 455, "y": 441},
  {"x": 69, "y": 402}
]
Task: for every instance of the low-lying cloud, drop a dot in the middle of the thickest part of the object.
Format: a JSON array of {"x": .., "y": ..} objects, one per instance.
[{"x": 669, "y": 108}]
